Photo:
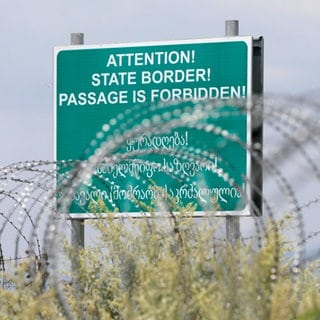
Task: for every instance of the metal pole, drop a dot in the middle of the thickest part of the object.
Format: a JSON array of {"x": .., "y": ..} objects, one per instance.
[
  {"x": 232, "y": 222},
  {"x": 231, "y": 28},
  {"x": 77, "y": 234},
  {"x": 77, "y": 38}
]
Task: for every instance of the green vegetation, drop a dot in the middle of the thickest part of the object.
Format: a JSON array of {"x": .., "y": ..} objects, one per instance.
[{"x": 171, "y": 269}]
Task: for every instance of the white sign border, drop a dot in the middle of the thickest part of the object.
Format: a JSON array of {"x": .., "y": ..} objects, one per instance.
[{"x": 248, "y": 40}]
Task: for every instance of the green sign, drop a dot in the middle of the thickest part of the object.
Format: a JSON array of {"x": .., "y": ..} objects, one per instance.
[{"x": 102, "y": 91}]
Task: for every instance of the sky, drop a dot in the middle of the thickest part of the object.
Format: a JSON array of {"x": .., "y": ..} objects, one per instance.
[{"x": 29, "y": 30}]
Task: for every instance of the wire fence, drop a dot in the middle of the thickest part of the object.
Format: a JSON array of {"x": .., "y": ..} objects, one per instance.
[{"x": 128, "y": 152}]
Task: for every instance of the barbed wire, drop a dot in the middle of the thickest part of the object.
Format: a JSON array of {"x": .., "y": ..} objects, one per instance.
[{"x": 34, "y": 193}]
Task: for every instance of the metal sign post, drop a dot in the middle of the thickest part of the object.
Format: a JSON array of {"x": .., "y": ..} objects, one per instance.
[
  {"x": 232, "y": 222},
  {"x": 77, "y": 234}
]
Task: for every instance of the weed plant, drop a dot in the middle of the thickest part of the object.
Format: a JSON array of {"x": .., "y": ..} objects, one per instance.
[{"x": 170, "y": 268}]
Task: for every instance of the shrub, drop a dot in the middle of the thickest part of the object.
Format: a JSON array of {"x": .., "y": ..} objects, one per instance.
[{"x": 171, "y": 268}]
